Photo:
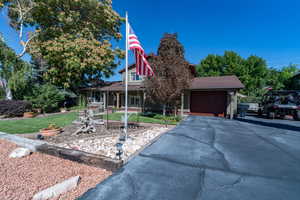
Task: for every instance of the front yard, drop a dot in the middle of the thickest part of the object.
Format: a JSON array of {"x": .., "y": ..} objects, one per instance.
[
  {"x": 133, "y": 117},
  {"x": 33, "y": 125}
]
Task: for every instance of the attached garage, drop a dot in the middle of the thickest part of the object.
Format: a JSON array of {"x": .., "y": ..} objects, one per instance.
[
  {"x": 209, "y": 102},
  {"x": 213, "y": 96}
]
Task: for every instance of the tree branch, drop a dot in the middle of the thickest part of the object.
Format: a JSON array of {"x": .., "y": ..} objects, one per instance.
[{"x": 26, "y": 44}]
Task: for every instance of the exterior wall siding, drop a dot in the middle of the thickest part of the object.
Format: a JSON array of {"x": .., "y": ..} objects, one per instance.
[{"x": 130, "y": 81}]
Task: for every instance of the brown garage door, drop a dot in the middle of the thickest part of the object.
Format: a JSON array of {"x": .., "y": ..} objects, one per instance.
[{"x": 209, "y": 103}]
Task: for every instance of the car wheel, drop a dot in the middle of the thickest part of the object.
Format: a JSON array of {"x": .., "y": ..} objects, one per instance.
[
  {"x": 297, "y": 115},
  {"x": 271, "y": 115},
  {"x": 260, "y": 112}
]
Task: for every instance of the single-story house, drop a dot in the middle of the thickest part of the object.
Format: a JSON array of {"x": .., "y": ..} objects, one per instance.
[{"x": 214, "y": 96}]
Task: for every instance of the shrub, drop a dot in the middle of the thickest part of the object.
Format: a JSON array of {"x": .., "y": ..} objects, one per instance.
[
  {"x": 11, "y": 108},
  {"x": 175, "y": 118},
  {"x": 168, "y": 118},
  {"x": 250, "y": 99},
  {"x": 2, "y": 93},
  {"x": 147, "y": 114},
  {"x": 158, "y": 116},
  {"x": 47, "y": 98}
]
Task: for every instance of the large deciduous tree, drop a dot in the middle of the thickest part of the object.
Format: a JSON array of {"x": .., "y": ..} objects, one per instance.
[
  {"x": 13, "y": 72},
  {"x": 73, "y": 38},
  {"x": 251, "y": 71},
  {"x": 172, "y": 74}
]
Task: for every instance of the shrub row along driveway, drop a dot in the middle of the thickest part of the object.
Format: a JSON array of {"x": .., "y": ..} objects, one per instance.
[{"x": 211, "y": 158}]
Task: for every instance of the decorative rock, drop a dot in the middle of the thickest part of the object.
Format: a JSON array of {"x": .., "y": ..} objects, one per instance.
[
  {"x": 19, "y": 153},
  {"x": 106, "y": 145},
  {"x": 57, "y": 189}
]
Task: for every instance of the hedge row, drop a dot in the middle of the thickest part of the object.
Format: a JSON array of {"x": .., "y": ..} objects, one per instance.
[{"x": 11, "y": 108}]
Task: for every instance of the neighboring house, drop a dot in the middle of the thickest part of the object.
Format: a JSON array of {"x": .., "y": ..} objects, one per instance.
[{"x": 212, "y": 96}]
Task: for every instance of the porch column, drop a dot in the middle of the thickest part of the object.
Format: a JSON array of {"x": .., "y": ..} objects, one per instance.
[
  {"x": 144, "y": 100},
  {"x": 231, "y": 104},
  {"x": 118, "y": 100},
  {"x": 104, "y": 99},
  {"x": 182, "y": 104}
]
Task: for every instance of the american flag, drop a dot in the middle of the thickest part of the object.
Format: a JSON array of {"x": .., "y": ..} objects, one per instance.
[{"x": 142, "y": 66}]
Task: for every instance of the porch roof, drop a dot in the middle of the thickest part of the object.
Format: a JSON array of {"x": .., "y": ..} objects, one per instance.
[{"x": 120, "y": 86}]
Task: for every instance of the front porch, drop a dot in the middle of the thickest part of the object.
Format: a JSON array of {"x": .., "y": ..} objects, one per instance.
[
  {"x": 116, "y": 99},
  {"x": 137, "y": 102}
]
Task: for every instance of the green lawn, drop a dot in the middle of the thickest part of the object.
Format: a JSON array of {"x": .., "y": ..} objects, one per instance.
[
  {"x": 33, "y": 125},
  {"x": 135, "y": 118}
]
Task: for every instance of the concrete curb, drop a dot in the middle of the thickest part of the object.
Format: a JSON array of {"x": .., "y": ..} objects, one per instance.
[{"x": 21, "y": 141}]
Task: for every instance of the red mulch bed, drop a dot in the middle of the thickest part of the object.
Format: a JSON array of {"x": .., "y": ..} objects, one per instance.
[{"x": 21, "y": 178}]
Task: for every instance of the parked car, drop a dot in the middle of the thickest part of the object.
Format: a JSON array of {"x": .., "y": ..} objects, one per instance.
[
  {"x": 281, "y": 103},
  {"x": 251, "y": 107}
]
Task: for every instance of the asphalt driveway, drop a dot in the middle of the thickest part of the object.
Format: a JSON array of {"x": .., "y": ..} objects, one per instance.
[{"x": 212, "y": 159}]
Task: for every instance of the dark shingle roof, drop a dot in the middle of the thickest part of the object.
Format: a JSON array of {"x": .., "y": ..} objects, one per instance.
[
  {"x": 120, "y": 86},
  {"x": 216, "y": 82},
  {"x": 199, "y": 83}
]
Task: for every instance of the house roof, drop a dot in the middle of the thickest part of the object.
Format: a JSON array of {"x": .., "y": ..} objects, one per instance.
[
  {"x": 216, "y": 82},
  {"x": 120, "y": 86},
  {"x": 198, "y": 83},
  {"x": 129, "y": 67}
]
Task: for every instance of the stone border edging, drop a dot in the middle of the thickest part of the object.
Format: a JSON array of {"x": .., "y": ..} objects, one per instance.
[
  {"x": 81, "y": 157},
  {"x": 69, "y": 154}
]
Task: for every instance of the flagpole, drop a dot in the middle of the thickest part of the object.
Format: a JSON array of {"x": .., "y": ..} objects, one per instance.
[{"x": 126, "y": 80}]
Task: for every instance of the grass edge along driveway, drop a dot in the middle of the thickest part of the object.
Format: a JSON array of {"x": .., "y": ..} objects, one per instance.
[
  {"x": 133, "y": 117},
  {"x": 33, "y": 125}
]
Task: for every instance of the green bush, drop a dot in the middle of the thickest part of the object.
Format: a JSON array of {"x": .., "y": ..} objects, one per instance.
[
  {"x": 2, "y": 93},
  {"x": 250, "y": 99},
  {"x": 148, "y": 114},
  {"x": 12, "y": 108},
  {"x": 168, "y": 118},
  {"x": 46, "y": 97}
]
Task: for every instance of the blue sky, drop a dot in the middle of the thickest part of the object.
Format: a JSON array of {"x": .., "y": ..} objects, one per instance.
[{"x": 266, "y": 28}]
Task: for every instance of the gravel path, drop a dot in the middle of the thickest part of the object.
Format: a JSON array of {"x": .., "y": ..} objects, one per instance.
[{"x": 23, "y": 177}]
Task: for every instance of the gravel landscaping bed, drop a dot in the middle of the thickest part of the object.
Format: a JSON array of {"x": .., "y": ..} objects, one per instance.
[
  {"x": 104, "y": 140},
  {"x": 21, "y": 178},
  {"x": 106, "y": 145},
  {"x": 68, "y": 133}
]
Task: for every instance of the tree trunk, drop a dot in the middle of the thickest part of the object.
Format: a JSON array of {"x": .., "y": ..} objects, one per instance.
[
  {"x": 164, "y": 110},
  {"x": 7, "y": 90},
  {"x": 8, "y": 93},
  {"x": 175, "y": 111}
]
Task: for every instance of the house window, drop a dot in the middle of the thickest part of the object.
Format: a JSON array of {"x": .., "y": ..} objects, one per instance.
[
  {"x": 134, "y": 101},
  {"x": 134, "y": 76},
  {"x": 95, "y": 97}
]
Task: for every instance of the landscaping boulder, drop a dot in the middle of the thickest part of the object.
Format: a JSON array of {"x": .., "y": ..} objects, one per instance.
[
  {"x": 57, "y": 189},
  {"x": 19, "y": 153}
]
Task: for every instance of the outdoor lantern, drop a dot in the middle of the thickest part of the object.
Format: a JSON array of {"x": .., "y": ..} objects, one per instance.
[
  {"x": 119, "y": 149},
  {"x": 122, "y": 138}
]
